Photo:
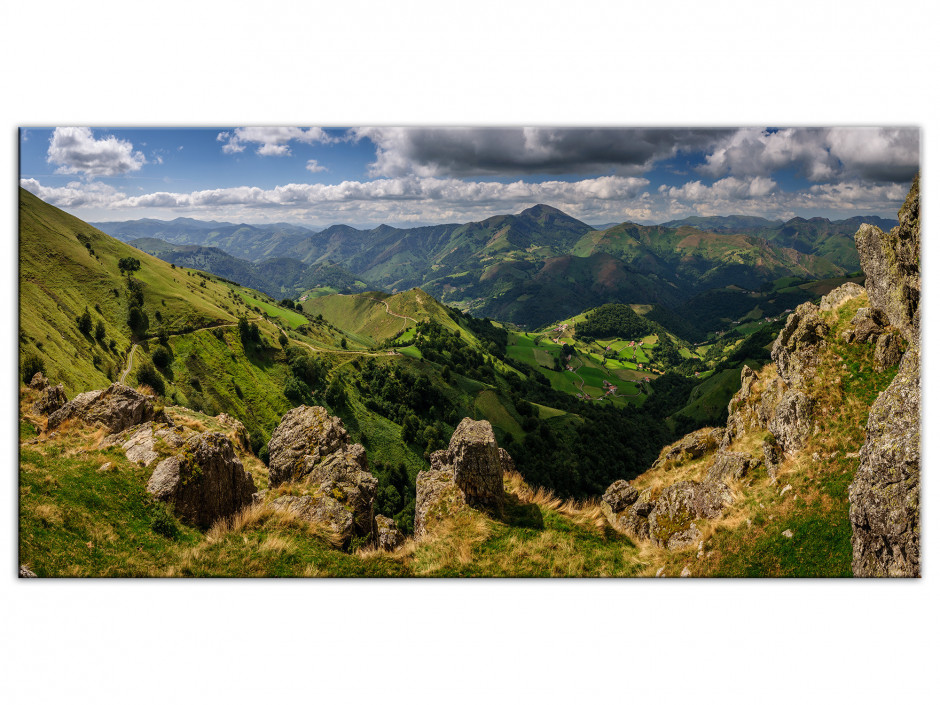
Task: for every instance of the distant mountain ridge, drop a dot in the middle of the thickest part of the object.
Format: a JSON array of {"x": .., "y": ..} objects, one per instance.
[{"x": 531, "y": 267}]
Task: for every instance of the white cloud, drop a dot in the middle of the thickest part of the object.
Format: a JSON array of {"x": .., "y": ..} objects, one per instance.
[
  {"x": 76, "y": 194},
  {"x": 819, "y": 154},
  {"x": 76, "y": 151},
  {"x": 312, "y": 166},
  {"x": 272, "y": 141}
]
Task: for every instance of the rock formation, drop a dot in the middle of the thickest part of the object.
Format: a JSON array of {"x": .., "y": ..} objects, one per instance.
[
  {"x": 885, "y": 495},
  {"x": 796, "y": 349},
  {"x": 38, "y": 382},
  {"x": 311, "y": 450},
  {"x": 838, "y": 296},
  {"x": 387, "y": 535},
  {"x": 468, "y": 473},
  {"x": 116, "y": 408},
  {"x": 141, "y": 443},
  {"x": 51, "y": 399},
  {"x": 204, "y": 482}
]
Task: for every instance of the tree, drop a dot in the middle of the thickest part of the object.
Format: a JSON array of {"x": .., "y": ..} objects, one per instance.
[
  {"x": 84, "y": 322},
  {"x": 137, "y": 320},
  {"x": 128, "y": 264},
  {"x": 160, "y": 356},
  {"x": 99, "y": 331}
]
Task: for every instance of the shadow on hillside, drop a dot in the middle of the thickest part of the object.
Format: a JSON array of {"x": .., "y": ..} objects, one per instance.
[{"x": 523, "y": 515}]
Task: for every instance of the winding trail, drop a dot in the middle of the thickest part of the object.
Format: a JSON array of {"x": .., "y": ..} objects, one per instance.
[
  {"x": 392, "y": 313},
  {"x": 130, "y": 363}
]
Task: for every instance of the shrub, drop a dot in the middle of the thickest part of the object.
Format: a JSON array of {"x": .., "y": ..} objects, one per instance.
[
  {"x": 148, "y": 375},
  {"x": 160, "y": 356},
  {"x": 84, "y": 322},
  {"x": 99, "y": 331},
  {"x": 128, "y": 264},
  {"x": 163, "y": 522},
  {"x": 32, "y": 364}
]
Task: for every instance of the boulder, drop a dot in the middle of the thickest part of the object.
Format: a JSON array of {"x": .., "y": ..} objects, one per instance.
[
  {"x": 52, "y": 399},
  {"x": 305, "y": 436},
  {"x": 38, "y": 382},
  {"x": 619, "y": 496},
  {"x": 866, "y": 325},
  {"x": 436, "y": 497},
  {"x": 888, "y": 351},
  {"x": 773, "y": 456},
  {"x": 25, "y": 572},
  {"x": 795, "y": 351},
  {"x": 710, "y": 499},
  {"x": 731, "y": 466},
  {"x": 884, "y": 497},
  {"x": 792, "y": 423},
  {"x": 387, "y": 535},
  {"x": 204, "y": 482},
  {"x": 311, "y": 449},
  {"x": 691, "y": 446},
  {"x": 477, "y": 464},
  {"x": 838, "y": 296},
  {"x": 116, "y": 408},
  {"x": 240, "y": 436},
  {"x": 141, "y": 444},
  {"x": 672, "y": 516},
  {"x": 891, "y": 262}
]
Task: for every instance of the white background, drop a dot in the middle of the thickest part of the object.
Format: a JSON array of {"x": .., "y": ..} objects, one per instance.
[{"x": 480, "y": 63}]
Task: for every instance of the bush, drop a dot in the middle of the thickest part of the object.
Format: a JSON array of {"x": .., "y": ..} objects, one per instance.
[
  {"x": 32, "y": 364},
  {"x": 99, "y": 331},
  {"x": 148, "y": 375},
  {"x": 163, "y": 522},
  {"x": 128, "y": 264},
  {"x": 160, "y": 356},
  {"x": 84, "y": 322}
]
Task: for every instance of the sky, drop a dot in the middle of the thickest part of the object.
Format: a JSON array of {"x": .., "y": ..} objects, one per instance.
[{"x": 366, "y": 176}]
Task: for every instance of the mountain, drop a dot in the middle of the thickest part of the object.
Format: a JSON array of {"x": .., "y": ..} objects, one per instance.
[
  {"x": 745, "y": 224},
  {"x": 249, "y": 242}
]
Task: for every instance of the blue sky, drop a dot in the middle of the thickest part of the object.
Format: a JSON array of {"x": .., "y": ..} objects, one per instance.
[{"x": 365, "y": 176}]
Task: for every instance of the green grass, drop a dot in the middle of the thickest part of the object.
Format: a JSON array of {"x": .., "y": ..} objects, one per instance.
[{"x": 291, "y": 318}]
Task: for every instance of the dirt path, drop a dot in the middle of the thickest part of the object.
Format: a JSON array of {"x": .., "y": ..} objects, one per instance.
[
  {"x": 130, "y": 363},
  {"x": 392, "y": 313}
]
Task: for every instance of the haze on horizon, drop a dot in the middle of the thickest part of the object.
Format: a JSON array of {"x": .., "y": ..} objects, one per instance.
[{"x": 364, "y": 177}]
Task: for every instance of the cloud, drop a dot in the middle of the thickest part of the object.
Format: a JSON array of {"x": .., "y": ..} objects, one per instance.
[
  {"x": 272, "y": 141},
  {"x": 314, "y": 167},
  {"x": 437, "y": 152},
  {"x": 76, "y": 151},
  {"x": 75, "y": 194},
  {"x": 819, "y": 154}
]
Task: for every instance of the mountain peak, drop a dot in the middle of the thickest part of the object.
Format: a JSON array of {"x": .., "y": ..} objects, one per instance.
[{"x": 540, "y": 209}]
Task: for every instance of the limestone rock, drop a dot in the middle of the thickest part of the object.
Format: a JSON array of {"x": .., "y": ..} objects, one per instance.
[
  {"x": 773, "y": 456},
  {"x": 240, "y": 436},
  {"x": 204, "y": 482},
  {"x": 891, "y": 262},
  {"x": 52, "y": 399},
  {"x": 305, "y": 436},
  {"x": 838, "y": 296},
  {"x": 436, "y": 496},
  {"x": 710, "y": 499},
  {"x": 387, "y": 535},
  {"x": 795, "y": 351},
  {"x": 140, "y": 443},
  {"x": 25, "y": 572},
  {"x": 673, "y": 515},
  {"x": 884, "y": 497},
  {"x": 887, "y": 351},
  {"x": 691, "y": 446},
  {"x": 38, "y": 382},
  {"x": 116, "y": 408},
  {"x": 324, "y": 510},
  {"x": 792, "y": 423},
  {"x": 729, "y": 465},
  {"x": 475, "y": 458},
  {"x": 620, "y": 495},
  {"x": 866, "y": 325}
]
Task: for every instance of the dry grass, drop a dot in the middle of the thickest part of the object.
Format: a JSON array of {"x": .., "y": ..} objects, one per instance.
[{"x": 584, "y": 513}]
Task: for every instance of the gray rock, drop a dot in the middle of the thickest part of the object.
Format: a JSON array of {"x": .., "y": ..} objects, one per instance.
[
  {"x": 691, "y": 446},
  {"x": 686, "y": 573},
  {"x": 773, "y": 456},
  {"x": 884, "y": 498},
  {"x": 436, "y": 497},
  {"x": 867, "y": 324},
  {"x": 887, "y": 351},
  {"x": 305, "y": 436},
  {"x": 387, "y": 535},
  {"x": 140, "y": 443},
  {"x": 788, "y": 533},
  {"x": 52, "y": 399},
  {"x": 619, "y": 496},
  {"x": 116, "y": 408},
  {"x": 204, "y": 482},
  {"x": 838, "y": 296},
  {"x": 731, "y": 466},
  {"x": 710, "y": 499},
  {"x": 627, "y": 509},
  {"x": 792, "y": 423},
  {"x": 240, "y": 436},
  {"x": 891, "y": 262},
  {"x": 673, "y": 514},
  {"x": 475, "y": 458},
  {"x": 795, "y": 351},
  {"x": 38, "y": 382},
  {"x": 25, "y": 572}
]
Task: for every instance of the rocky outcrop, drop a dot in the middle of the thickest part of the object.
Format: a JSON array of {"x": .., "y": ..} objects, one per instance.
[
  {"x": 888, "y": 351},
  {"x": 38, "y": 382},
  {"x": 306, "y": 437},
  {"x": 468, "y": 473},
  {"x": 671, "y": 523},
  {"x": 792, "y": 422},
  {"x": 311, "y": 449},
  {"x": 204, "y": 482},
  {"x": 116, "y": 408},
  {"x": 50, "y": 400},
  {"x": 239, "y": 434},
  {"x": 838, "y": 296},
  {"x": 690, "y": 447},
  {"x": 143, "y": 444},
  {"x": 25, "y": 572},
  {"x": 773, "y": 456},
  {"x": 891, "y": 262},
  {"x": 731, "y": 466},
  {"x": 796, "y": 349},
  {"x": 884, "y": 497},
  {"x": 387, "y": 535},
  {"x": 865, "y": 326},
  {"x": 627, "y": 509}
]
